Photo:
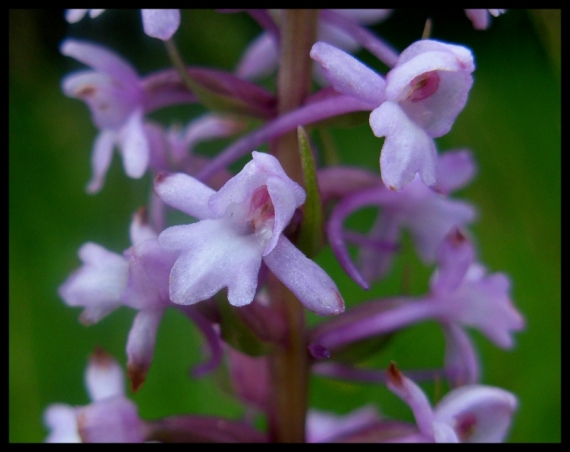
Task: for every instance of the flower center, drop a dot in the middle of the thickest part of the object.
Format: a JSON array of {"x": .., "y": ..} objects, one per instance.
[
  {"x": 261, "y": 211},
  {"x": 464, "y": 426},
  {"x": 424, "y": 86}
]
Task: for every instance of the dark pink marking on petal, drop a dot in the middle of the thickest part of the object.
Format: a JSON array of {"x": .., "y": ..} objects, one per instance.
[{"x": 423, "y": 86}]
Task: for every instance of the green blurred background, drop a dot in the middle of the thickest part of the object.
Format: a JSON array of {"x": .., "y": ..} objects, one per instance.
[{"x": 512, "y": 123}]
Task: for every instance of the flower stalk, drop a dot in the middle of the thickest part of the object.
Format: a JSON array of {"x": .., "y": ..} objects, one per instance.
[{"x": 289, "y": 364}]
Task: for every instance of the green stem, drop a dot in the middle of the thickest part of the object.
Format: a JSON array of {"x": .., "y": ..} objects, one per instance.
[
  {"x": 289, "y": 364},
  {"x": 178, "y": 63}
]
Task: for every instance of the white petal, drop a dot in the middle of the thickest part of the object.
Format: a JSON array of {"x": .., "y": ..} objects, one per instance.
[
  {"x": 184, "y": 193},
  {"x": 98, "y": 284},
  {"x": 134, "y": 146},
  {"x": 62, "y": 421},
  {"x": 407, "y": 148},
  {"x": 104, "y": 377},
  {"x": 215, "y": 256},
  {"x": 101, "y": 159},
  {"x": 160, "y": 23},
  {"x": 140, "y": 345}
]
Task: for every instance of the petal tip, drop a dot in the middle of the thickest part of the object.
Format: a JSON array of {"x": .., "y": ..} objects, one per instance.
[
  {"x": 394, "y": 375},
  {"x": 137, "y": 375}
]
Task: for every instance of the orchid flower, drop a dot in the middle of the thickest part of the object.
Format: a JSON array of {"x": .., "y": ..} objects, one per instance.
[
  {"x": 426, "y": 214},
  {"x": 109, "y": 418},
  {"x": 240, "y": 225},
  {"x": 118, "y": 99},
  {"x": 462, "y": 294},
  {"x": 417, "y": 101},
  {"x": 138, "y": 279},
  {"x": 471, "y": 414}
]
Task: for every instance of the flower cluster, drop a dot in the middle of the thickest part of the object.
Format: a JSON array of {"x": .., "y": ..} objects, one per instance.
[{"x": 242, "y": 265}]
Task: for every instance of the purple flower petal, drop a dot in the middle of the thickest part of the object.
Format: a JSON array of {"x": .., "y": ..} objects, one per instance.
[
  {"x": 430, "y": 217},
  {"x": 309, "y": 282},
  {"x": 349, "y": 76},
  {"x": 102, "y": 60},
  {"x": 353, "y": 179},
  {"x": 140, "y": 345},
  {"x": 134, "y": 145},
  {"x": 455, "y": 255},
  {"x": 335, "y": 233},
  {"x": 374, "y": 261},
  {"x": 407, "y": 148},
  {"x": 461, "y": 53},
  {"x": 184, "y": 193},
  {"x": 431, "y": 82},
  {"x": 444, "y": 94},
  {"x": 160, "y": 151},
  {"x": 208, "y": 127},
  {"x": 323, "y": 427},
  {"x": 160, "y": 23},
  {"x": 149, "y": 270},
  {"x": 98, "y": 284},
  {"x": 61, "y": 420},
  {"x": 104, "y": 377},
  {"x": 259, "y": 59},
  {"x": 454, "y": 170},
  {"x": 140, "y": 230},
  {"x": 427, "y": 215},
  {"x": 101, "y": 159},
  {"x": 480, "y": 18},
  {"x": 113, "y": 420},
  {"x": 110, "y": 102},
  {"x": 483, "y": 302},
  {"x": 479, "y": 414},
  {"x": 209, "y": 262},
  {"x": 240, "y": 189},
  {"x": 414, "y": 397},
  {"x": 375, "y": 319},
  {"x": 212, "y": 337},
  {"x": 461, "y": 362}
]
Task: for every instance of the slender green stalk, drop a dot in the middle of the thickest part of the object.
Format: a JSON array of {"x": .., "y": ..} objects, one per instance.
[
  {"x": 289, "y": 364},
  {"x": 178, "y": 63}
]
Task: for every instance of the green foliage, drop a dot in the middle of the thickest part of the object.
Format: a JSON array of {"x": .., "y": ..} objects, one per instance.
[{"x": 311, "y": 238}]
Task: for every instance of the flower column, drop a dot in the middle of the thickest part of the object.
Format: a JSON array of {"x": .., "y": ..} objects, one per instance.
[{"x": 289, "y": 365}]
